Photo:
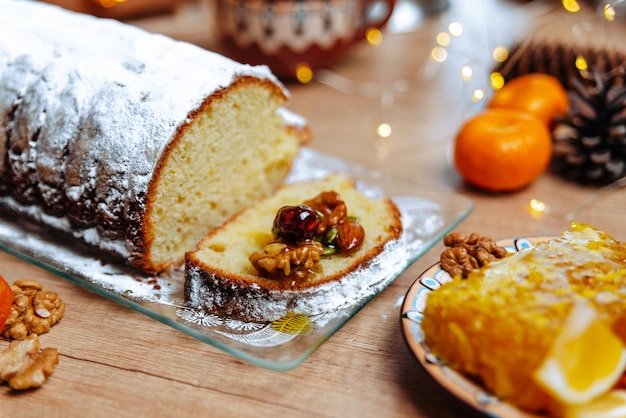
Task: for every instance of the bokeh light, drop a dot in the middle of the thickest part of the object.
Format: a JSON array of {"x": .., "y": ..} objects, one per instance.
[
  {"x": 496, "y": 80},
  {"x": 455, "y": 29},
  {"x": 571, "y": 6},
  {"x": 537, "y": 208},
  {"x": 443, "y": 39},
  {"x": 500, "y": 54},
  {"x": 609, "y": 12},
  {"x": 374, "y": 36},
  {"x": 466, "y": 73},
  {"x": 304, "y": 73},
  {"x": 439, "y": 54},
  {"x": 383, "y": 130},
  {"x": 478, "y": 95}
]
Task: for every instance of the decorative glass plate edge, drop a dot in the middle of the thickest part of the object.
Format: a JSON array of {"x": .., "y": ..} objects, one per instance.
[
  {"x": 460, "y": 386},
  {"x": 79, "y": 265}
]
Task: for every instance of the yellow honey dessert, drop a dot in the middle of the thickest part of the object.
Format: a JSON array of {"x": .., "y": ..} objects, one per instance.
[{"x": 500, "y": 322}]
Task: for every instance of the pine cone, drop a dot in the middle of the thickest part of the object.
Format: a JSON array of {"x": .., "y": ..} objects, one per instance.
[{"x": 590, "y": 141}]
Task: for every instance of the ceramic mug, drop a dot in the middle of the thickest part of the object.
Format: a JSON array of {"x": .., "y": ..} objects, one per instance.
[{"x": 285, "y": 34}]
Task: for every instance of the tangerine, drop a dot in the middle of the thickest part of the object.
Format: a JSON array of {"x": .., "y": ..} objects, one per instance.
[
  {"x": 541, "y": 94},
  {"x": 502, "y": 150},
  {"x": 6, "y": 301}
]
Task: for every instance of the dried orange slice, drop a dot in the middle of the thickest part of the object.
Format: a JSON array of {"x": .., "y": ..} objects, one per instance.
[{"x": 585, "y": 360}]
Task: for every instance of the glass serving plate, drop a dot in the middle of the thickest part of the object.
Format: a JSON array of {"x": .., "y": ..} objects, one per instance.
[{"x": 283, "y": 344}]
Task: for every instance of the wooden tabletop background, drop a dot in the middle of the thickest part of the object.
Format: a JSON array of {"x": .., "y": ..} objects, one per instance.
[{"x": 117, "y": 362}]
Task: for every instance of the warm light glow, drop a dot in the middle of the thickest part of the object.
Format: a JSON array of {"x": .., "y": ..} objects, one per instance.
[
  {"x": 443, "y": 39},
  {"x": 384, "y": 130},
  {"x": 500, "y": 54},
  {"x": 496, "y": 80},
  {"x": 466, "y": 73},
  {"x": 581, "y": 63},
  {"x": 609, "y": 12},
  {"x": 571, "y": 6},
  {"x": 374, "y": 36},
  {"x": 110, "y": 3},
  {"x": 455, "y": 29},
  {"x": 478, "y": 95},
  {"x": 537, "y": 206},
  {"x": 304, "y": 73},
  {"x": 439, "y": 54}
]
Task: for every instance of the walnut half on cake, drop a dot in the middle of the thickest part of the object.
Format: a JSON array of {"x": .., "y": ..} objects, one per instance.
[
  {"x": 133, "y": 142},
  {"x": 222, "y": 275}
]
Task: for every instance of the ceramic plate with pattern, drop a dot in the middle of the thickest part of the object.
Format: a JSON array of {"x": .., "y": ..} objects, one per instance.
[{"x": 463, "y": 388}]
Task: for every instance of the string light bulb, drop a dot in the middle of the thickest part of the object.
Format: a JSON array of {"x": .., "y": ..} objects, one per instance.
[
  {"x": 443, "y": 39},
  {"x": 383, "y": 130},
  {"x": 455, "y": 29},
  {"x": 439, "y": 54},
  {"x": 304, "y": 73},
  {"x": 571, "y": 6},
  {"x": 466, "y": 73},
  {"x": 374, "y": 36},
  {"x": 478, "y": 95},
  {"x": 500, "y": 54},
  {"x": 496, "y": 80},
  {"x": 609, "y": 12}
]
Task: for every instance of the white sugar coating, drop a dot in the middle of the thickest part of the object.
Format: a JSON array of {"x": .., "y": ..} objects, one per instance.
[{"x": 92, "y": 104}]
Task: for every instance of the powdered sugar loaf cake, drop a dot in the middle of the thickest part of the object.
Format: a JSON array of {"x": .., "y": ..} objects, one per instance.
[
  {"x": 223, "y": 275},
  {"x": 133, "y": 142}
]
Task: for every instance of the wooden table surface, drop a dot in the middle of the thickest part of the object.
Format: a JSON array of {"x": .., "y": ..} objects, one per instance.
[{"x": 117, "y": 362}]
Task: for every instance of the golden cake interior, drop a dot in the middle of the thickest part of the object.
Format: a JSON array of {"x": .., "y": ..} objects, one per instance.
[
  {"x": 226, "y": 251},
  {"x": 237, "y": 149}
]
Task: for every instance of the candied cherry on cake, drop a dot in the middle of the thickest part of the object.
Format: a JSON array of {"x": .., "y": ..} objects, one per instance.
[{"x": 295, "y": 223}]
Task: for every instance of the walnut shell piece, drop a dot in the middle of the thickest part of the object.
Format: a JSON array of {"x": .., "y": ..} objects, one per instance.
[
  {"x": 467, "y": 253},
  {"x": 34, "y": 310},
  {"x": 24, "y": 366}
]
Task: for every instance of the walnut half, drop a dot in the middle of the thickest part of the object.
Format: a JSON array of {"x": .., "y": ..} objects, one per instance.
[
  {"x": 24, "y": 366},
  {"x": 468, "y": 253}
]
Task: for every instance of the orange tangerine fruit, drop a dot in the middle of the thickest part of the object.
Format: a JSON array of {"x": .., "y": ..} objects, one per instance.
[
  {"x": 6, "y": 301},
  {"x": 585, "y": 361},
  {"x": 542, "y": 95},
  {"x": 502, "y": 150}
]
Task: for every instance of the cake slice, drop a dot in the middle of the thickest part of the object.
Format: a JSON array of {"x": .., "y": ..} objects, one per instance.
[{"x": 220, "y": 277}]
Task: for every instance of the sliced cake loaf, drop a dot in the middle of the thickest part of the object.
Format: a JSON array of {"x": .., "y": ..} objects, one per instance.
[
  {"x": 219, "y": 276},
  {"x": 129, "y": 141}
]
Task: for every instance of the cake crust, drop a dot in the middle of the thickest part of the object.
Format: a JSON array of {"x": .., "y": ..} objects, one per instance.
[{"x": 215, "y": 282}]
